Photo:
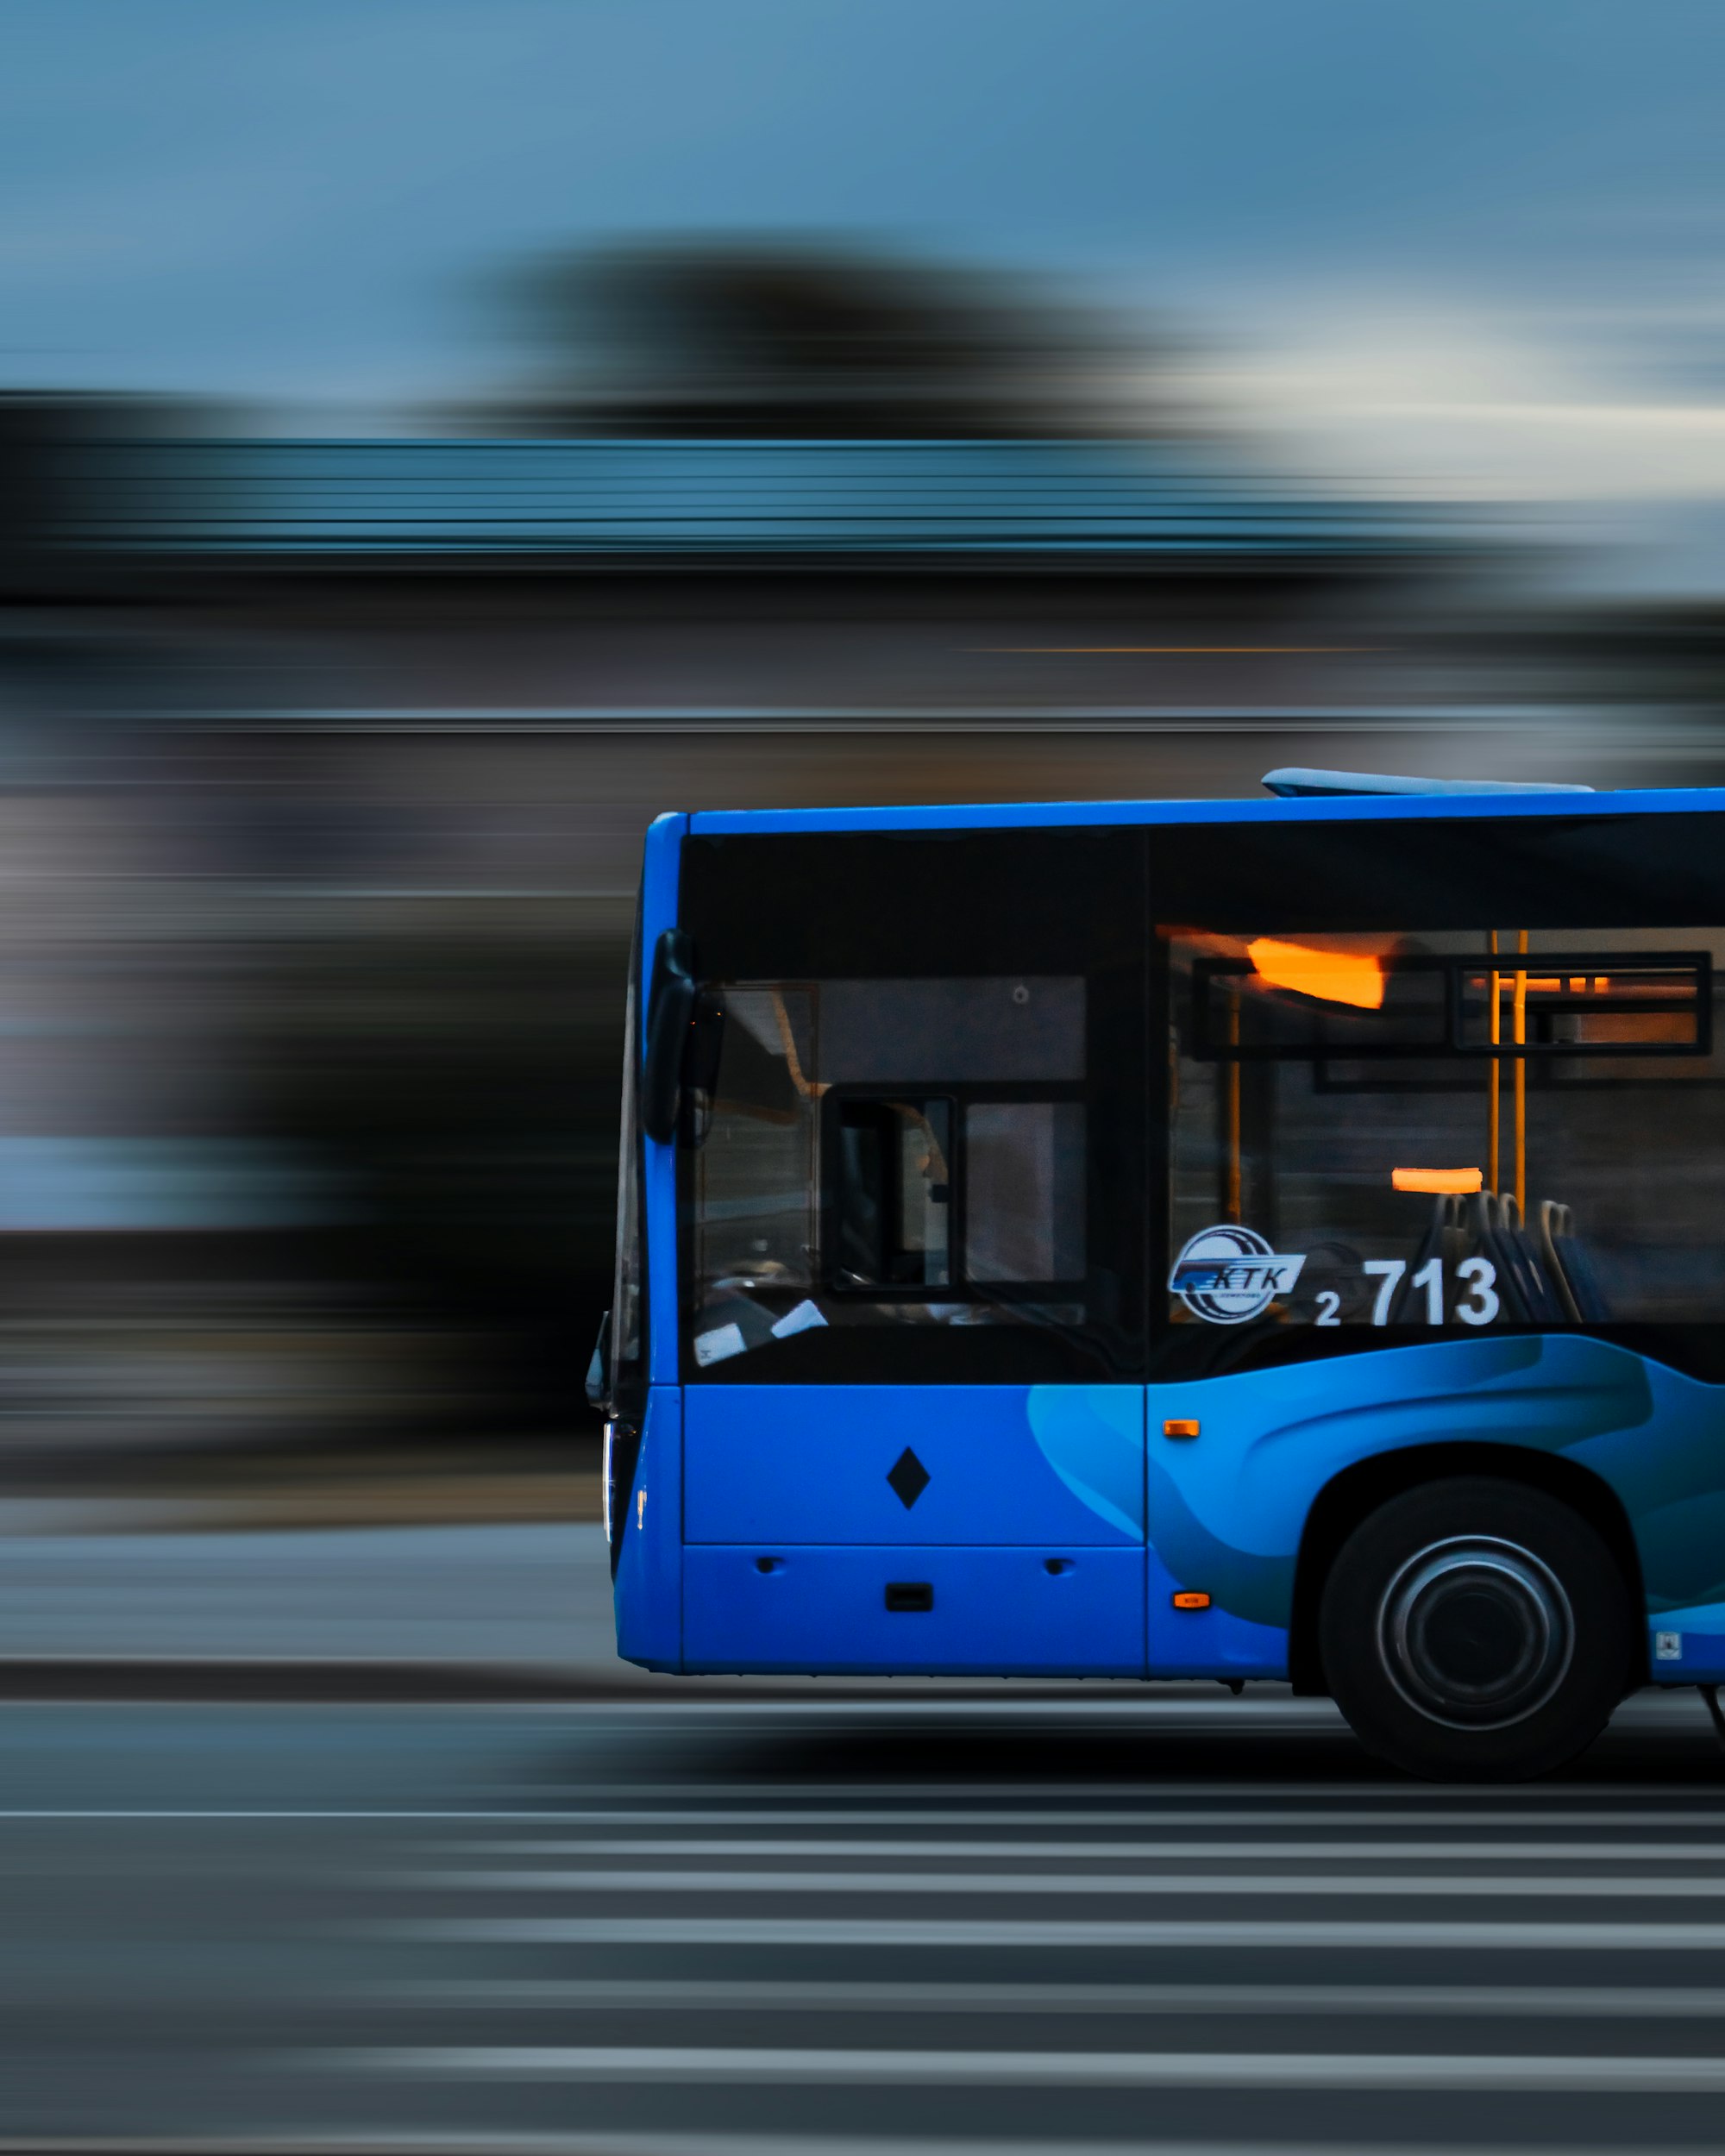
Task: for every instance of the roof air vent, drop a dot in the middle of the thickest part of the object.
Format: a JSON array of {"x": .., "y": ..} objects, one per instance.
[{"x": 1294, "y": 784}]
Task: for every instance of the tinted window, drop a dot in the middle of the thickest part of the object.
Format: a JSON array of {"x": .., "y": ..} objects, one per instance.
[{"x": 1382, "y": 1123}]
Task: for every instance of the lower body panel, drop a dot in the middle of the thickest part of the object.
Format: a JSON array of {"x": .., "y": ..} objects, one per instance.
[{"x": 868, "y": 1610}]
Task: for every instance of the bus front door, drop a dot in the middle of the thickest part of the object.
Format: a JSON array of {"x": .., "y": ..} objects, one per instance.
[
  {"x": 911, "y": 1250},
  {"x": 914, "y": 1528}
]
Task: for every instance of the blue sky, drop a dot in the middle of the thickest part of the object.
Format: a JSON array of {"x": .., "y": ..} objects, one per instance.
[{"x": 300, "y": 201}]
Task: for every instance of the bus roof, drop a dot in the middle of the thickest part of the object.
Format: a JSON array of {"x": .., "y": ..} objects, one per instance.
[{"x": 1311, "y": 809}]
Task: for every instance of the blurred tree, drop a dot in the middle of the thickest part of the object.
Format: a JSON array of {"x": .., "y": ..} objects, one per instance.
[{"x": 711, "y": 339}]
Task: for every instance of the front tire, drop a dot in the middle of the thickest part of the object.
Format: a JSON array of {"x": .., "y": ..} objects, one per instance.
[{"x": 1475, "y": 1630}]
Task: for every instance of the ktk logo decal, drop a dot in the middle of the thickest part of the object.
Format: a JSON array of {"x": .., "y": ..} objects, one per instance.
[{"x": 1230, "y": 1276}]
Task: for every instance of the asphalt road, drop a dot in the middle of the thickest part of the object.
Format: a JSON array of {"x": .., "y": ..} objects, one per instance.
[
  {"x": 530, "y": 1599},
  {"x": 1167, "y": 1921}
]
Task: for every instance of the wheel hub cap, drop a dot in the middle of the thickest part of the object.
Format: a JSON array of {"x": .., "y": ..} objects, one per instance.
[{"x": 1476, "y": 1632}]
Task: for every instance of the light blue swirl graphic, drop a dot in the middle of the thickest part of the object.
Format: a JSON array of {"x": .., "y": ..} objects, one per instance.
[{"x": 1092, "y": 1436}]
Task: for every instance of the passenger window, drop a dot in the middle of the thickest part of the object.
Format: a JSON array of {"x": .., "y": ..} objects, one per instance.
[
  {"x": 906, "y": 1154},
  {"x": 1461, "y": 1128}
]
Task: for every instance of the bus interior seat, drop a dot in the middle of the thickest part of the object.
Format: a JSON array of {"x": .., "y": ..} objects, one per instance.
[
  {"x": 1570, "y": 1265},
  {"x": 1447, "y": 1239},
  {"x": 1591, "y": 1301},
  {"x": 1554, "y": 1224},
  {"x": 1522, "y": 1279}
]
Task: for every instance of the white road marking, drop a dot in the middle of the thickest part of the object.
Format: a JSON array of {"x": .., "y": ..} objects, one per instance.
[
  {"x": 1124, "y": 1886},
  {"x": 1630, "y": 1819},
  {"x": 1454, "y": 2001},
  {"x": 825, "y": 1931},
  {"x": 1149, "y": 1816},
  {"x": 659, "y": 2066},
  {"x": 1152, "y": 1852}
]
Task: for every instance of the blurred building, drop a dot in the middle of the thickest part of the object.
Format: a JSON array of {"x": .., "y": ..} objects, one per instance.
[{"x": 326, "y": 764}]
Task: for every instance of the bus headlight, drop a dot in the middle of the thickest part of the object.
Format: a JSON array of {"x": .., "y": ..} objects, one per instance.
[{"x": 606, "y": 1472}]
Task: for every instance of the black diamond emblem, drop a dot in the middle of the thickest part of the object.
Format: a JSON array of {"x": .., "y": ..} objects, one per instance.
[{"x": 908, "y": 1477}]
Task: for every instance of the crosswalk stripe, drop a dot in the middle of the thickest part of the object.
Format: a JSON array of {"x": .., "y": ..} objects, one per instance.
[
  {"x": 655, "y": 2066},
  {"x": 1129, "y": 1886},
  {"x": 1449, "y": 2001},
  {"x": 1634, "y": 1819},
  {"x": 1577, "y": 1937},
  {"x": 1239, "y": 1851}
]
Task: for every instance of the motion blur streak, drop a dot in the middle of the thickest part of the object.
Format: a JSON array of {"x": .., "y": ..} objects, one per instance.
[
  {"x": 425, "y": 455},
  {"x": 345, "y": 1889}
]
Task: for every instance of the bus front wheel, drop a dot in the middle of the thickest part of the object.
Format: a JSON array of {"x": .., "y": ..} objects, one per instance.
[{"x": 1475, "y": 1630}]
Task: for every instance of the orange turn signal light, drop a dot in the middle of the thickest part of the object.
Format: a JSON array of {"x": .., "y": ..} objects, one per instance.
[
  {"x": 1187, "y": 1600},
  {"x": 1176, "y": 1427}
]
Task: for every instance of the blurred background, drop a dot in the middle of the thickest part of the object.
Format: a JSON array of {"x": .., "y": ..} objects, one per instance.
[{"x": 437, "y": 436}]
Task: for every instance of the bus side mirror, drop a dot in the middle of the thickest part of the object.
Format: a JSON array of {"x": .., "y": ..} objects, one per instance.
[{"x": 670, "y": 1005}]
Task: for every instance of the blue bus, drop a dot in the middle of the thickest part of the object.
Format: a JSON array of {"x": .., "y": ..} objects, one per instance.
[{"x": 1274, "y": 1239}]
